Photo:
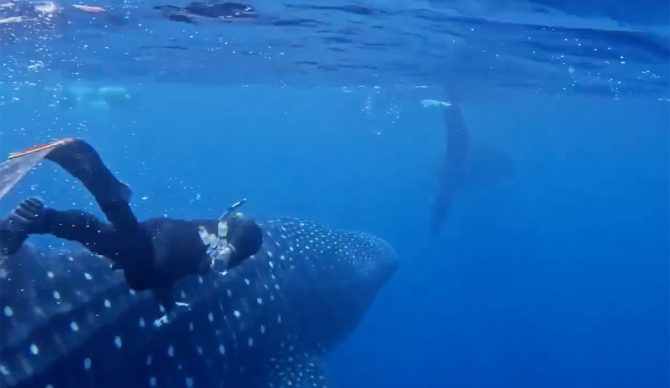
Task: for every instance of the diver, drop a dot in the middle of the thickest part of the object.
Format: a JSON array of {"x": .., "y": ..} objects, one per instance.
[
  {"x": 153, "y": 253},
  {"x": 211, "y": 10},
  {"x": 52, "y": 13}
]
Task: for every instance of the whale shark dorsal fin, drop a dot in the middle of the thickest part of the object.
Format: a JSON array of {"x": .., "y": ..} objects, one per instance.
[{"x": 297, "y": 370}]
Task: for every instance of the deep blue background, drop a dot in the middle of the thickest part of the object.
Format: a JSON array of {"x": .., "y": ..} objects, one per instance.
[{"x": 556, "y": 279}]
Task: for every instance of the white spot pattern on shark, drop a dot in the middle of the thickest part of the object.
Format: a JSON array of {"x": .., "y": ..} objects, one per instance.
[{"x": 268, "y": 308}]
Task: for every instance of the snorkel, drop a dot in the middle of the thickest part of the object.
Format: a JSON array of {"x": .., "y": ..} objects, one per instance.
[{"x": 220, "y": 248}]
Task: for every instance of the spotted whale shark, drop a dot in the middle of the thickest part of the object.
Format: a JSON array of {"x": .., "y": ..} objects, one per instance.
[{"x": 69, "y": 321}]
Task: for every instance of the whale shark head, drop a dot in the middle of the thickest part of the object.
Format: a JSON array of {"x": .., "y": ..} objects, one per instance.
[
  {"x": 68, "y": 320},
  {"x": 334, "y": 275}
]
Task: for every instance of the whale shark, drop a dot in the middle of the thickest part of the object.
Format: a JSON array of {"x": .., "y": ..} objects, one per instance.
[
  {"x": 69, "y": 321},
  {"x": 467, "y": 165}
]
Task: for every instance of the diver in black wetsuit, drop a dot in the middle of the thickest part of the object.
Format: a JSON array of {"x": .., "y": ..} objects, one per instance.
[
  {"x": 210, "y": 10},
  {"x": 153, "y": 253}
]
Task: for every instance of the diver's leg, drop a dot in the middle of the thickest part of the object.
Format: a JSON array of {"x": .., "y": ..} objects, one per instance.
[
  {"x": 84, "y": 163},
  {"x": 128, "y": 244},
  {"x": 76, "y": 225},
  {"x": 132, "y": 254},
  {"x": 130, "y": 250}
]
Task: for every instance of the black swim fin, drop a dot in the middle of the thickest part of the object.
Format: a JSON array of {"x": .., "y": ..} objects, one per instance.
[
  {"x": 82, "y": 162},
  {"x": 19, "y": 164}
]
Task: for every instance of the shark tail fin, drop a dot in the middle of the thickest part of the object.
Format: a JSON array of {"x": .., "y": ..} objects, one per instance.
[{"x": 441, "y": 206}]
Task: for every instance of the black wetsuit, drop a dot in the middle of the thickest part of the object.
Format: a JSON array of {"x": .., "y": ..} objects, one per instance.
[{"x": 153, "y": 253}]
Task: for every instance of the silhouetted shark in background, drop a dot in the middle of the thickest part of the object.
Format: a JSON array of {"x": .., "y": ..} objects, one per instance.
[
  {"x": 69, "y": 321},
  {"x": 466, "y": 165}
]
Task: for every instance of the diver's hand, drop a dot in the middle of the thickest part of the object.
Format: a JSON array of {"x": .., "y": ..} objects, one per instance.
[{"x": 30, "y": 216}]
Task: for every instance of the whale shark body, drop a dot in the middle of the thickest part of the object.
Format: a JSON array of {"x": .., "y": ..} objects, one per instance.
[
  {"x": 67, "y": 320},
  {"x": 467, "y": 165}
]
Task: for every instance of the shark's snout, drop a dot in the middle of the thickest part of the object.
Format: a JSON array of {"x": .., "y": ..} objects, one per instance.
[
  {"x": 383, "y": 261},
  {"x": 389, "y": 261}
]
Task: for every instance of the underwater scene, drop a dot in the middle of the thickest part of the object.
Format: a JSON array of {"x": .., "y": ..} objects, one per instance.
[{"x": 375, "y": 193}]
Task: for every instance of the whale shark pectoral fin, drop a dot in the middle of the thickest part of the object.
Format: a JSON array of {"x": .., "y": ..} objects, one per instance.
[{"x": 296, "y": 370}]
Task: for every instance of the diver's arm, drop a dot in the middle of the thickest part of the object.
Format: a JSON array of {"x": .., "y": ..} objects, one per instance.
[
  {"x": 32, "y": 217},
  {"x": 76, "y": 225}
]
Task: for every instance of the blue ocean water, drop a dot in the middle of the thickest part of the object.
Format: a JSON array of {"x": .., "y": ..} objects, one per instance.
[{"x": 557, "y": 277}]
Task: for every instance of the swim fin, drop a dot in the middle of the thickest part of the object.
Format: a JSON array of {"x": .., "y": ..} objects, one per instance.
[
  {"x": 82, "y": 161},
  {"x": 20, "y": 163}
]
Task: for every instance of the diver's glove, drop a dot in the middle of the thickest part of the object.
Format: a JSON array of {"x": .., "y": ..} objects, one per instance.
[
  {"x": 31, "y": 214},
  {"x": 28, "y": 218}
]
